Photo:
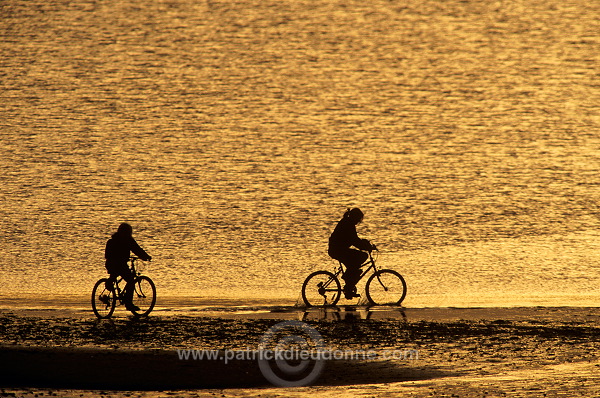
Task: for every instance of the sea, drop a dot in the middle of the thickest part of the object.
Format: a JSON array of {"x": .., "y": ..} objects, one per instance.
[{"x": 233, "y": 135}]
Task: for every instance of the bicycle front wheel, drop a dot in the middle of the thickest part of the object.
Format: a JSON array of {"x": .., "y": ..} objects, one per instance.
[
  {"x": 386, "y": 287},
  {"x": 103, "y": 298},
  {"x": 321, "y": 288},
  {"x": 144, "y": 295}
]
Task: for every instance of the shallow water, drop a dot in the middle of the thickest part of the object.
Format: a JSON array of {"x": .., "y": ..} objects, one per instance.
[{"x": 233, "y": 136}]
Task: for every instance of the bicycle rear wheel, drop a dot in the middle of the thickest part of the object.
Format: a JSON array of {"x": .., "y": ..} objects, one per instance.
[
  {"x": 144, "y": 295},
  {"x": 321, "y": 288},
  {"x": 386, "y": 287},
  {"x": 104, "y": 299}
]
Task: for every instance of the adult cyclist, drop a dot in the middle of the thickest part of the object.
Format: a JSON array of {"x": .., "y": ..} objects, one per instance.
[{"x": 346, "y": 247}]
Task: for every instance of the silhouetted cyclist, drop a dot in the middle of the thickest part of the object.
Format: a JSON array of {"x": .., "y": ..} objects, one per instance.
[
  {"x": 341, "y": 241},
  {"x": 117, "y": 253}
]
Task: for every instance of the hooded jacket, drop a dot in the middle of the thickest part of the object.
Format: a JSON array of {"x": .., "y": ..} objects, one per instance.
[
  {"x": 345, "y": 236},
  {"x": 119, "y": 247}
]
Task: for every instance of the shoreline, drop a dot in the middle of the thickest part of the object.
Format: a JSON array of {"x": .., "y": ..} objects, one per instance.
[{"x": 282, "y": 311}]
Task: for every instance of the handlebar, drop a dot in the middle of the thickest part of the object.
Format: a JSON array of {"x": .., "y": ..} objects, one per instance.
[
  {"x": 137, "y": 268},
  {"x": 133, "y": 258}
]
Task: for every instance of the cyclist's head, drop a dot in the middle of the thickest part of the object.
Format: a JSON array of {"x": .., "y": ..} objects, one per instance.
[
  {"x": 125, "y": 229},
  {"x": 355, "y": 215}
]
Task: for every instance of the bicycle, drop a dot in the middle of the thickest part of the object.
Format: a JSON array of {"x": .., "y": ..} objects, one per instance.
[
  {"x": 107, "y": 293},
  {"x": 384, "y": 286}
]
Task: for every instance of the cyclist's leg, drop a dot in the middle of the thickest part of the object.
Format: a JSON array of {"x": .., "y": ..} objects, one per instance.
[
  {"x": 352, "y": 259},
  {"x": 113, "y": 273},
  {"x": 129, "y": 288},
  {"x": 124, "y": 272},
  {"x": 110, "y": 282}
]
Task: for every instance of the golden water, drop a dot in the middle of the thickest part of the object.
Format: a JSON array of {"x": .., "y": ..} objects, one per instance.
[{"x": 232, "y": 135}]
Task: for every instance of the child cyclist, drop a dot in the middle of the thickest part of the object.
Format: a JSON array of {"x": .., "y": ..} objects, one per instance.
[{"x": 117, "y": 253}]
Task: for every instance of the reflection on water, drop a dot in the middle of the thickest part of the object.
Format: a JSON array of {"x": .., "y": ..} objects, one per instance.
[
  {"x": 232, "y": 137},
  {"x": 351, "y": 313}
]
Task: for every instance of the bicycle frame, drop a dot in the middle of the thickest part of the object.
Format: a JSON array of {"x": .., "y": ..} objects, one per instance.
[
  {"x": 383, "y": 286},
  {"x": 370, "y": 261},
  {"x": 118, "y": 279},
  {"x": 138, "y": 295}
]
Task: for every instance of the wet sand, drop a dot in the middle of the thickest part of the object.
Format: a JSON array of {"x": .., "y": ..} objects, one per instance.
[{"x": 461, "y": 352}]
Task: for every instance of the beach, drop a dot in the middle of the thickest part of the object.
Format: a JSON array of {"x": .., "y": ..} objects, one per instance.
[{"x": 476, "y": 352}]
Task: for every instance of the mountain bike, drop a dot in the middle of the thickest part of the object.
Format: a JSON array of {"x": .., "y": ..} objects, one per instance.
[
  {"x": 384, "y": 286},
  {"x": 107, "y": 294}
]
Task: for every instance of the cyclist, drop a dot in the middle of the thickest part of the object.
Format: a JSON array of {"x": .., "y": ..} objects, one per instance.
[
  {"x": 341, "y": 241},
  {"x": 117, "y": 253}
]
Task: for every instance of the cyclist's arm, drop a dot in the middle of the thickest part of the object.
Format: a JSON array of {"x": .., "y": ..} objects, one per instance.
[
  {"x": 362, "y": 244},
  {"x": 138, "y": 251},
  {"x": 365, "y": 245}
]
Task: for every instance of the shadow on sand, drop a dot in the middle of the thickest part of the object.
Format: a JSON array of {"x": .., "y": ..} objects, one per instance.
[{"x": 86, "y": 368}]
